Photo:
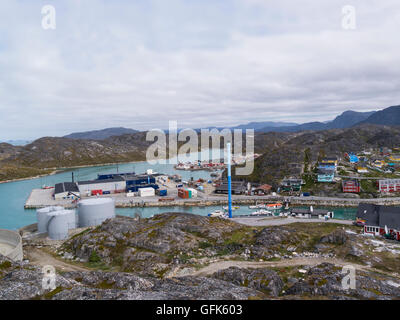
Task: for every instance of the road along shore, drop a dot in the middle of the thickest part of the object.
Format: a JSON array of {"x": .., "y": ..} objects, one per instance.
[{"x": 41, "y": 198}]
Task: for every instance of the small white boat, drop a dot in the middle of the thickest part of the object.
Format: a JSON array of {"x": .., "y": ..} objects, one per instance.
[
  {"x": 258, "y": 206},
  {"x": 218, "y": 213},
  {"x": 233, "y": 208},
  {"x": 262, "y": 212}
]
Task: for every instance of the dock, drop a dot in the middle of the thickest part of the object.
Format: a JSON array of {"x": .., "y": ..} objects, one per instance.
[{"x": 41, "y": 198}]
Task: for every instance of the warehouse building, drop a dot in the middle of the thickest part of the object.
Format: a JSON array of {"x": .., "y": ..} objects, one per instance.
[
  {"x": 66, "y": 190},
  {"x": 238, "y": 187},
  {"x": 136, "y": 182},
  {"x": 103, "y": 186}
]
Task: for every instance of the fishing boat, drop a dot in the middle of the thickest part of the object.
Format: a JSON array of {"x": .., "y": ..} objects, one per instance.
[
  {"x": 262, "y": 212},
  {"x": 274, "y": 206}
]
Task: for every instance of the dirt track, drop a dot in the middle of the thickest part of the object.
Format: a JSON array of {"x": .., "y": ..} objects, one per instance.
[
  {"x": 41, "y": 258},
  {"x": 221, "y": 265}
]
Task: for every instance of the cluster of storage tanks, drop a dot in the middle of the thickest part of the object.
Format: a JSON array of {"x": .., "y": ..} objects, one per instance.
[
  {"x": 187, "y": 193},
  {"x": 57, "y": 221}
]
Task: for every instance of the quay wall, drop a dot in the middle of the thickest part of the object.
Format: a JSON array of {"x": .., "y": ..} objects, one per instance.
[{"x": 244, "y": 200}]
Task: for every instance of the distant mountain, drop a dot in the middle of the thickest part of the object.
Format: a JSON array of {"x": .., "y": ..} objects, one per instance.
[
  {"x": 17, "y": 142},
  {"x": 346, "y": 120},
  {"x": 389, "y": 117},
  {"x": 260, "y": 125},
  {"x": 100, "y": 134}
]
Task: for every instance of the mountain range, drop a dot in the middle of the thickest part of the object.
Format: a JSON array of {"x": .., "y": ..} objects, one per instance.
[
  {"x": 101, "y": 134},
  {"x": 389, "y": 116}
]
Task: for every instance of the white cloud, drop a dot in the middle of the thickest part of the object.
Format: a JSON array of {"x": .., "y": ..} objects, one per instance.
[{"x": 140, "y": 64}]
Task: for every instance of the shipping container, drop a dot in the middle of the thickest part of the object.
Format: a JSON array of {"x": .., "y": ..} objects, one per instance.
[
  {"x": 182, "y": 193},
  {"x": 146, "y": 192},
  {"x": 162, "y": 193}
]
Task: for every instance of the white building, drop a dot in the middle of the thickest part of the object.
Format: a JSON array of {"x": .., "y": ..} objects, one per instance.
[{"x": 114, "y": 185}]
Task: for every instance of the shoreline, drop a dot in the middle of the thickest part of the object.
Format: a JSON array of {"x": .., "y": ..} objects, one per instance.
[
  {"x": 222, "y": 201},
  {"x": 63, "y": 169}
]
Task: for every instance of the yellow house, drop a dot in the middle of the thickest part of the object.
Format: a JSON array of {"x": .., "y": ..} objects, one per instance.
[
  {"x": 332, "y": 160},
  {"x": 362, "y": 170},
  {"x": 395, "y": 157},
  {"x": 379, "y": 163}
]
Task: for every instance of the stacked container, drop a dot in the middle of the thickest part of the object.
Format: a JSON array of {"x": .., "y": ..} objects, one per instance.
[{"x": 182, "y": 193}]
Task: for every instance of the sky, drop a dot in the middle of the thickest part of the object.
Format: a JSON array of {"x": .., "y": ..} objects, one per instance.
[{"x": 141, "y": 63}]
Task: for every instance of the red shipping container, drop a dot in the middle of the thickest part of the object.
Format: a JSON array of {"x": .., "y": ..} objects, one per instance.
[{"x": 182, "y": 193}]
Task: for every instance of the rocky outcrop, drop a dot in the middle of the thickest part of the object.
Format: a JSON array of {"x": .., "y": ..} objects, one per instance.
[
  {"x": 336, "y": 237},
  {"x": 153, "y": 245},
  {"x": 264, "y": 280},
  {"x": 325, "y": 280},
  {"x": 20, "y": 281}
]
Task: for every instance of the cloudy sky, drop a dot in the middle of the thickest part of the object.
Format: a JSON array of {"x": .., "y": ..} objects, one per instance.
[{"x": 141, "y": 63}]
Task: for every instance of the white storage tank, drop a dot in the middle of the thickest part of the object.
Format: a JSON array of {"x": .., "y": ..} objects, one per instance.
[
  {"x": 147, "y": 192},
  {"x": 43, "y": 217},
  {"x": 59, "y": 224},
  {"x": 93, "y": 212}
]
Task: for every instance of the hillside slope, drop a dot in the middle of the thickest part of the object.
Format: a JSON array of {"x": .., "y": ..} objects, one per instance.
[{"x": 100, "y": 134}]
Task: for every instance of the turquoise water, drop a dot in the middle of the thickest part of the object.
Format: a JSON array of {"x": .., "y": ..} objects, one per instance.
[{"x": 14, "y": 194}]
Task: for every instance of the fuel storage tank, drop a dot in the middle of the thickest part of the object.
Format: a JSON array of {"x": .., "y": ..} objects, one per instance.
[
  {"x": 43, "y": 216},
  {"x": 93, "y": 212},
  {"x": 59, "y": 224}
]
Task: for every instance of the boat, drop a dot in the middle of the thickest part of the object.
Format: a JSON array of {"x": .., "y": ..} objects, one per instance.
[
  {"x": 258, "y": 206},
  {"x": 262, "y": 212},
  {"x": 218, "y": 213},
  {"x": 233, "y": 208},
  {"x": 274, "y": 206}
]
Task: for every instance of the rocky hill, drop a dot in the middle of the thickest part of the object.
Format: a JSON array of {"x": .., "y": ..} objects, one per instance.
[
  {"x": 101, "y": 134},
  {"x": 183, "y": 256},
  {"x": 389, "y": 116},
  {"x": 282, "y": 151}
]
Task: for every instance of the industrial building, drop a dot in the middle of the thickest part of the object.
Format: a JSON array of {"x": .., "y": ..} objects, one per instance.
[
  {"x": 136, "y": 182},
  {"x": 103, "y": 186},
  {"x": 66, "y": 190},
  {"x": 238, "y": 187}
]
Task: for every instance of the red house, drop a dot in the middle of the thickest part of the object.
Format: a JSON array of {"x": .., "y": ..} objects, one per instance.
[
  {"x": 351, "y": 186},
  {"x": 389, "y": 185}
]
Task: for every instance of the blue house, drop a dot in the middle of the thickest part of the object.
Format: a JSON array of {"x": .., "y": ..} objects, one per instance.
[
  {"x": 325, "y": 175},
  {"x": 353, "y": 158}
]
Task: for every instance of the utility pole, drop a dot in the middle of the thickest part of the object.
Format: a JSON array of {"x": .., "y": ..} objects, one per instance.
[{"x": 228, "y": 146}]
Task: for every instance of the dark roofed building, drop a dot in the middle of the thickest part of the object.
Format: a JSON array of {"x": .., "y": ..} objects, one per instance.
[
  {"x": 66, "y": 190},
  {"x": 238, "y": 187},
  {"x": 379, "y": 218}
]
